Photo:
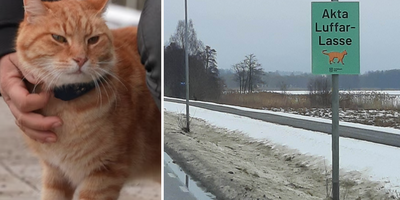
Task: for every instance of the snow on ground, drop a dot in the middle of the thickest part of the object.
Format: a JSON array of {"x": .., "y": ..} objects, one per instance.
[
  {"x": 328, "y": 121},
  {"x": 378, "y": 162}
]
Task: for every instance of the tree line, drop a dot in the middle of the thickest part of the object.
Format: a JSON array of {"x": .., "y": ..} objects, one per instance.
[
  {"x": 208, "y": 81},
  {"x": 204, "y": 80},
  {"x": 383, "y": 79}
]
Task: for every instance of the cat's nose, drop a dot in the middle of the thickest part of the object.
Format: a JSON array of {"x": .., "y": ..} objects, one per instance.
[{"x": 80, "y": 61}]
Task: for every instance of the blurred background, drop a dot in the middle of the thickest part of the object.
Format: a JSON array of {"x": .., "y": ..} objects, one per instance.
[
  {"x": 135, "y": 4},
  {"x": 121, "y": 13}
]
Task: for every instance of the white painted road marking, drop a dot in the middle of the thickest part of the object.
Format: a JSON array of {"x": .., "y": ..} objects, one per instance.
[
  {"x": 171, "y": 175},
  {"x": 184, "y": 189}
]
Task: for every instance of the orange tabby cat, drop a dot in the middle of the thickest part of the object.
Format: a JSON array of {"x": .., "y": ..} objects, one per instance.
[
  {"x": 333, "y": 55},
  {"x": 112, "y": 132}
]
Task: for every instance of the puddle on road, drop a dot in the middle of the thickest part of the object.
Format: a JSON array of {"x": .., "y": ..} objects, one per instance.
[{"x": 199, "y": 193}]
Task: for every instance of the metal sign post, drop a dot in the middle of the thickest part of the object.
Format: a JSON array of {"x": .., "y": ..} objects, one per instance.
[
  {"x": 335, "y": 136},
  {"x": 335, "y": 50},
  {"x": 187, "y": 70}
]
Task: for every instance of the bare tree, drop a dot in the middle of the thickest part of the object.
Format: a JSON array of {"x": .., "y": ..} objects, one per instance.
[
  {"x": 195, "y": 46},
  {"x": 254, "y": 72},
  {"x": 240, "y": 75},
  {"x": 319, "y": 91},
  {"x": 248, "y": 73},
  {"x": 283, "y": 86},
  {"x": 210, "y": 59}
]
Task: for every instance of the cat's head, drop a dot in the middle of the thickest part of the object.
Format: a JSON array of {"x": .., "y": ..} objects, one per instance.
[{"x": 65, "y": 42}]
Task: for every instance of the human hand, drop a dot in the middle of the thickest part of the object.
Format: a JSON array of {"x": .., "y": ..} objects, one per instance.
[{"x": 22, "y": 103}]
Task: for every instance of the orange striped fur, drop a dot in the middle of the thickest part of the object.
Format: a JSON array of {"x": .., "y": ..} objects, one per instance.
[{"x": 110, "y": 135}]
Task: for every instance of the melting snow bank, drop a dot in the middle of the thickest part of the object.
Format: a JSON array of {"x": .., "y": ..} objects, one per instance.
[{"x": 367, "y": 169}]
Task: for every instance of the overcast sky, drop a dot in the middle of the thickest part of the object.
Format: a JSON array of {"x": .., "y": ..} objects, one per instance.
[{"x": 278, "y": 32}]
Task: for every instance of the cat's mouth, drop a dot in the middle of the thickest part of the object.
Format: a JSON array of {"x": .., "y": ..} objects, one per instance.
[
  {"x": 79, "y": 71},
  {"x": 77, "y": 77},
  {"x": 79, "y": 68}
]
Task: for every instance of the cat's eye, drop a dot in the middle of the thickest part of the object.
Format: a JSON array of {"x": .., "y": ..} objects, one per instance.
[
  {"x": 59, "y": 38},
  {"x": 93, "y": 40}
]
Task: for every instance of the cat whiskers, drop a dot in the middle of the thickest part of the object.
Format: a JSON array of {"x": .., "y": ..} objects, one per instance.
[
  {"x": 97, "y": 87},
  {"x": 40, "y": 80},
  {"x": 110, "y": 84},
  {"x": 24, "y": 75},
  {"x": 112, "y": 75},
  {"x": 29, "y": 73},
  {"x": 56, "y": 77},
  {"x": 105, "y": 83},
  {"x": 43, "y": 73},
  {"x": 39, "y": 74},
  {"x": 105, "y": 90}
]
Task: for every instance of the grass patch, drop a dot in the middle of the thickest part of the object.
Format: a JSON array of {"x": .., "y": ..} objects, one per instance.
[
  {"x": 266, "y": 100},
  {"x": 371, "y": 108},
  {"x": 349, "y": 100}
]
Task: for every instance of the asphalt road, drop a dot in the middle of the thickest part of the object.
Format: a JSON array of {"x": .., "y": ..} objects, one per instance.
[
  {"x": 174, "y": 188},
  {"x": 344, "y": 131}
]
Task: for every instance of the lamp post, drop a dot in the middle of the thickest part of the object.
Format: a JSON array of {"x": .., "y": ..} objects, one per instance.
[{"x": 187, "y": 70}]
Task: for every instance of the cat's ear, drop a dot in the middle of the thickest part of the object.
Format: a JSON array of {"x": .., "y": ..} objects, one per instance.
[
  {"x": 99, "y": 5},
  {"x": 33, "y": 9}
]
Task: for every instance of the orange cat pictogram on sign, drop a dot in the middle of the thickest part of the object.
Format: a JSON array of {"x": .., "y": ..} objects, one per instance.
[{"x": 333, "y": 55}]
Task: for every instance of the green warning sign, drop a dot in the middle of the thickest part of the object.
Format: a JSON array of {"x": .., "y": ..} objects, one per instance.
[{"x": 335, "y": 35}]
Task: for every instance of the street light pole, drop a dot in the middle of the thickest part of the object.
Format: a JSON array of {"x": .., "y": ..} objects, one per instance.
[{"x": 187, "y": 70}]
